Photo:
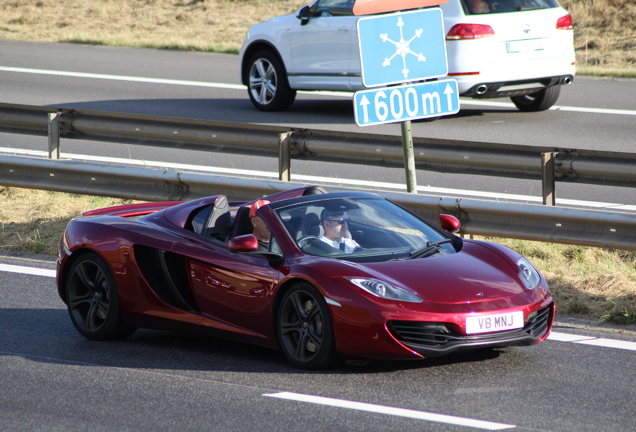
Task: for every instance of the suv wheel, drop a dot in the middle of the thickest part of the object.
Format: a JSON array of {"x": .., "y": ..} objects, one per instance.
[
  {"x": 539, "y": 101},
  {"x": 268, "y": 87}
]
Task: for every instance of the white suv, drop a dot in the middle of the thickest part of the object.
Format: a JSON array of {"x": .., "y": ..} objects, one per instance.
[{"x": 522, "y": 49}]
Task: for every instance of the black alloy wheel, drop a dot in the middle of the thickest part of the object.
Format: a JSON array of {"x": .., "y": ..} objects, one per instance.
[
  {"x": 93, "y": 300},
  {"x": 268, "y": 87},
  {"x": 539, "y": 101},
  {"x": 305, "y": 330}
]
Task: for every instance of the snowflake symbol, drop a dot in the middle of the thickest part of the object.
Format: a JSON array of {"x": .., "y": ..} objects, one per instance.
[{"x": 402, "y": 47}]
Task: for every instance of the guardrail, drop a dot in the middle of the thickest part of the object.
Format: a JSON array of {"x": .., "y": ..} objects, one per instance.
[
  {"x": 499, "y": 219},
  {"x": 549, "y": 164},
  {"x": 532, "y": 222}
]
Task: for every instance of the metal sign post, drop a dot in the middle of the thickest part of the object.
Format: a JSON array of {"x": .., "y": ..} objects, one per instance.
[{"x": 409, "y": 157}]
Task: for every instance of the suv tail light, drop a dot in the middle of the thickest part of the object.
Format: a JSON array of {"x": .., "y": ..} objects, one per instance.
[
  {"x": 469, "y": 31},
  {"x": 565, "y": 23}
]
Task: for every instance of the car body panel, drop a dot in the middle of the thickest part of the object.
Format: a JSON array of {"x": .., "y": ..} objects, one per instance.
[
  {"x": 321, "y": 53},
  {"x": 231, "y": 290}
]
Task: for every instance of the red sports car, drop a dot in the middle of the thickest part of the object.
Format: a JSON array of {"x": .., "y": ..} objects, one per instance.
[{"x": 320, "y": 276}]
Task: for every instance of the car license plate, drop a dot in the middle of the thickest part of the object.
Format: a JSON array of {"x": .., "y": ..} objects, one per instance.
[
  {"x": 494, "y": 322},
  {"x": 523, "y": 46}
]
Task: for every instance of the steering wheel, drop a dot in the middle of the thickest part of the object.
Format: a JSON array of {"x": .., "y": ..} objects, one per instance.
[{"x": 305, "y": 241}]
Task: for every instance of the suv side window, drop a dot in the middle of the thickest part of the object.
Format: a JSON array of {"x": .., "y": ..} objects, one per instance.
[{"x": 330, "y": 8}]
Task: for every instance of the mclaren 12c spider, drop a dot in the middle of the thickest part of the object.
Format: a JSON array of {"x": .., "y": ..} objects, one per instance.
[{"x": 320, "y": 276}]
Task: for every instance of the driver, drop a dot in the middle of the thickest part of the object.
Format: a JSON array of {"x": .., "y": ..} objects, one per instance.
[{"x": 336, "y": 228}]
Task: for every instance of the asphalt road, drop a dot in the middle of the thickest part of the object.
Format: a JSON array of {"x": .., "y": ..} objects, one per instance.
[
  {"x": 52, "y": 379},
  {"x": 591, "y": 113}
]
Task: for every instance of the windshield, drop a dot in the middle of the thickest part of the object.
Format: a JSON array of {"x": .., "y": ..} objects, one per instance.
[
  {"x": 361, "y": 229},
  {"x": 477, "y": 7}
]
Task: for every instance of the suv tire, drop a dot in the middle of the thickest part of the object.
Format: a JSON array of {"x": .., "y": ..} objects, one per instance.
[
  {"x": 539, "y": 101},
  {"x": 268, "y": 87}
]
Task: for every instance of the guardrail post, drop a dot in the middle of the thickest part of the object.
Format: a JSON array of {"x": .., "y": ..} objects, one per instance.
[
  {"x": 548, "y": 178},
  {"x": 54, "y": 135},
  {"x": 284, "y": 156},
  {"x": 409, "y": 158}
]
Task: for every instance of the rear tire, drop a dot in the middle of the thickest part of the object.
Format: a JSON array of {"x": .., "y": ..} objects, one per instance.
[
  {"x": 268, "y": 86},
  {"x": 539, "y": 101},
  {"x": 93, "y": 300}
]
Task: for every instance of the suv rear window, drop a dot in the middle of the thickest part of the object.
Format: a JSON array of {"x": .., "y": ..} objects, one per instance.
[{"x": 478, "y": 7}]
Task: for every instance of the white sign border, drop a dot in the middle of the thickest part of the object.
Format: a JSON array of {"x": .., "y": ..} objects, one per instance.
[{"x": 441, "y": 14}]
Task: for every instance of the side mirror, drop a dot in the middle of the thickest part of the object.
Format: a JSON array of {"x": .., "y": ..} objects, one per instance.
[
  {"x": 449, "y": 223},
  {"x": 244, "y": 243},
  {"x": 303, "y": 15}
]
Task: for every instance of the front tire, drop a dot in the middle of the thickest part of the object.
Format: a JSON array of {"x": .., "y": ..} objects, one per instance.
[
  {"x": 539, "y": 101},
  {"x": 305, "y": 329},
  {"x": 93, "y": 300},
  {"x": 268, "y": 86}
]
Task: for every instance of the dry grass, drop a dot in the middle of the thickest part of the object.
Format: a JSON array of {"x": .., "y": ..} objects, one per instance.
[
  {"x": 589, "y": 283},
  {"x": 205, "y": 25},
  {"x": 33, "y": 220},
  {"x": 604, "y": 36},
  {"x": 605, "y": 33}
]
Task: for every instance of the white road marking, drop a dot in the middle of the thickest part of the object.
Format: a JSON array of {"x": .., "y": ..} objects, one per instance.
[
  {"x": 553, "y": 108},
  {"x": 123, "y": 78},
  {"x": 566, "y": 337},
  {"x": 594, "y": 341},
  {"x": 381, "y": 409},
  {"x": 348, "y": 95},
  {"x": 35, "y": 271}
]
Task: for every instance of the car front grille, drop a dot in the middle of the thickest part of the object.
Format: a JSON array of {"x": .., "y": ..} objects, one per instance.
[{"x": 431, "y": 339}]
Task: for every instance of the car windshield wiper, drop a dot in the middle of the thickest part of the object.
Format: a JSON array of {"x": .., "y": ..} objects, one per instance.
[{"x": 431, "y": 248}]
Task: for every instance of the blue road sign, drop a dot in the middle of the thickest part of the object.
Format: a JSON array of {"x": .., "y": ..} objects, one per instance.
[
  {"x": 402, "y": 47},
  {"x": 406, "y": 102}
]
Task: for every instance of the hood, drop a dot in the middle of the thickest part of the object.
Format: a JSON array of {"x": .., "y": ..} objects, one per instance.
[{"x": 476, "y": 274}]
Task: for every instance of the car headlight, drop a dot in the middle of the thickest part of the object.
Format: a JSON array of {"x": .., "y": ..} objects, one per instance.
[
  {"x": 384, "y": 290},
  {"x": 528, "y": 274}
]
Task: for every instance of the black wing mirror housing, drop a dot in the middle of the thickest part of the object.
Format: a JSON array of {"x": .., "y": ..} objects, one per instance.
[{"x": 303, "y": 15}]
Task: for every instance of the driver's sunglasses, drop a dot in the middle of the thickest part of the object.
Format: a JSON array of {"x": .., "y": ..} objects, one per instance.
[{"x": 340, "y": 221}]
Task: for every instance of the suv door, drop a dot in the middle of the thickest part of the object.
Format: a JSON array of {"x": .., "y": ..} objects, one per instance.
[{"x": 322, "y": 47}]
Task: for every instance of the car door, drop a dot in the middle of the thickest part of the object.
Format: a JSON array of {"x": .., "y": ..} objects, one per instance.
[
  {"x": 235, "y": 289},
  {"x": 322, "y": 47}
]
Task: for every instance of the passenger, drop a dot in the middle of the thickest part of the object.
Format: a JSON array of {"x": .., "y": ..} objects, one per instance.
[
  {"x": 261, "y": 230},
  {"x": 336, "y": 227},
  {"x": 478, "y": 6}
]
